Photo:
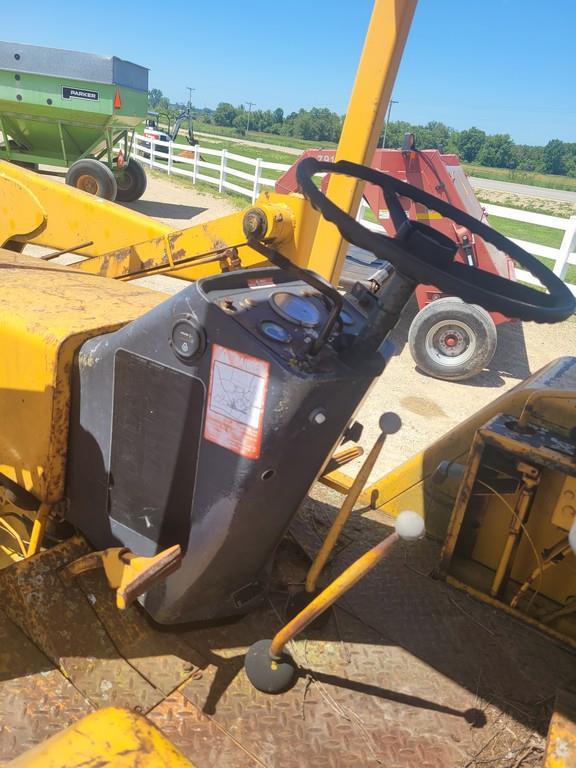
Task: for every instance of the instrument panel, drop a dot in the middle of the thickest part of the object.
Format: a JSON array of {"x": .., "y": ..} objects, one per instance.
[{"x": 287, "y": 316}]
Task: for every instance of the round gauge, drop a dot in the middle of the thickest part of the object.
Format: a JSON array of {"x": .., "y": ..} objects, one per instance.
[
  {"x": 187, "y": 340},
  {"x": 346, "y": 317},
  {"x": 275, "y": 332},
  {"x": 296, "y": 309}
]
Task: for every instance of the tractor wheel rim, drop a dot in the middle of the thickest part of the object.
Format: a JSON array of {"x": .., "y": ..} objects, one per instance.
[
  {"x": 450, "y": 343},
  {"x": 88, "y": 184}
]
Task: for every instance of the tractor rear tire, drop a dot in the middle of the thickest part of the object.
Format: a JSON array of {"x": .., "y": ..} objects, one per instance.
[
  {"x": 93, "y": 177},
  {"x": 131, "y": 181},
  {"x": 452, "y": 340}
]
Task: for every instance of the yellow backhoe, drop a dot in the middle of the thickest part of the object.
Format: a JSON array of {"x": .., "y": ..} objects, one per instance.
[{"x": 156, "y": 456}]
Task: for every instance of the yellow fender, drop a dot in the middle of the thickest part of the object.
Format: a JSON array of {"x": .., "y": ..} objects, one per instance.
[{"x": 109, "y": 738}]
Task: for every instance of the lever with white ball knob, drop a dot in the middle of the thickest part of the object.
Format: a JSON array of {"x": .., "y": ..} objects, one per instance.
[{"x": 269, "y": 668}]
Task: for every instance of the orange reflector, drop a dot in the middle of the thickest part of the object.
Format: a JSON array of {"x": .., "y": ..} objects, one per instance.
[{"x": 117, "y": 99}]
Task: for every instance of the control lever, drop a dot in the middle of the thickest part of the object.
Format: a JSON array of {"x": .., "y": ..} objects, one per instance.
[
  {"x": 389, "y": 423},
  {"x": 268, "y": 666}
]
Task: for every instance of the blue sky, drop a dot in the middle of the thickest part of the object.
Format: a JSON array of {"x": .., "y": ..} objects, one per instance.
[{"x": 503, "y": 65}]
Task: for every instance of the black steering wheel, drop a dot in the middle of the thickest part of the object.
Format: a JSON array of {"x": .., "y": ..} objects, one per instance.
[{"x": 425, "y": 255}]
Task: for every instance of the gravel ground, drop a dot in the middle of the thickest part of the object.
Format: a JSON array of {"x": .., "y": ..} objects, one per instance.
[
  {"x": 429, "y": 408},
  {"x": 178, "y": 204}
]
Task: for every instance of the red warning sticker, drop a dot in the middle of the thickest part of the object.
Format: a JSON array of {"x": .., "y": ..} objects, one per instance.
[{"x": 236, "y": 401}]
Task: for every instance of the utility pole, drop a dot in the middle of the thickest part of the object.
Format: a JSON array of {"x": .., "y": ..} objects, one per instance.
[
  {"x": 190, "y": 97},
  {"x": 387, "y": 121},
  {"x": 250, "y": 105}
]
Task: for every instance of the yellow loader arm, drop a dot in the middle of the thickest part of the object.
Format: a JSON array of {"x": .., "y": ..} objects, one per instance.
[{"x": 120, "y": 243}]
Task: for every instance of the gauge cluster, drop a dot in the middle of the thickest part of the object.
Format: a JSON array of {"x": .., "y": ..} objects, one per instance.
[{"x": 286, "y": 315}]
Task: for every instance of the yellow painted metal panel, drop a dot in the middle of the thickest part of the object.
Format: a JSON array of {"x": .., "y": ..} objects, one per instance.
[
  {"x": 47, "y": 312},
  {"x": 71, "y": 217},
  {"x": 372, "y": 91},
  {"x": 409, "y": 486},
  {"x": 108, "y": 738}
]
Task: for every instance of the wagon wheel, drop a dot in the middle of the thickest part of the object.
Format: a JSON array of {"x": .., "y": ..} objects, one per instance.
[{"x": 93, "y": 177}]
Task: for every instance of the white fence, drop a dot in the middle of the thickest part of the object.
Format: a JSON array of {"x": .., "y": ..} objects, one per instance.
[
  {"x": 184, "y": 160},
  {"x": 561, "y": 257}
]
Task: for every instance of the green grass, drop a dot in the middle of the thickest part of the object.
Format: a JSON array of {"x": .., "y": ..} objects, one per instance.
[
  {"x": 533, "y": 233},
  {"x": 247, "y": 150},
  {"x": 522, "y": 177},
  {"x": 270, "y": 155},
  {"x": 265, "y": 138}
]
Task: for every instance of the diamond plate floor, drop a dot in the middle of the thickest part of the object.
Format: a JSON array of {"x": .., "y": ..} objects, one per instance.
[{"x": 407, "y": 671}]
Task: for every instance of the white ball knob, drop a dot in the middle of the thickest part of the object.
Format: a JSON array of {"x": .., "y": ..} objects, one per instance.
[{"x": 410, "y": 526}]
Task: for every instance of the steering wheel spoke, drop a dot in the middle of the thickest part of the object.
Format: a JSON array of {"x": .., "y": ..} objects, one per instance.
[{"x": 422, "y": 254}]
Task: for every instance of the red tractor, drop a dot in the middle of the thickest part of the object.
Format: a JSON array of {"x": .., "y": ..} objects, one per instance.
[{"x": 448, "y": 339}]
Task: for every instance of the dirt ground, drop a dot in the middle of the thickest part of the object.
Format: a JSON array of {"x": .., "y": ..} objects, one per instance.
[
  {"x": 179, "y": 205},
  {"x": 527, "y": 202},
  {"x": 427, "y": 407}
]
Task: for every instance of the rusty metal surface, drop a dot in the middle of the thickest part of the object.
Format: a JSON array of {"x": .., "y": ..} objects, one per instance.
[
  {"x": 458, "y": 650},
  {"x": 198, "y": 737},
  {"x": 56, "y": 616},
  {"x": 346, "y": 709},
  {"x": 163, "y": 658},
  {"x": 561, "y": 744},
  {"x": 406, "y": 672},
  {"x": 36, "y": 700}
]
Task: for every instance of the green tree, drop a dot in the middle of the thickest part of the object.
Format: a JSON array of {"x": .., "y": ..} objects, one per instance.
[
  {"x": 154, "y": 97},
  {"x": 225, "y": 114},
  {"x": 469, "y": 143},
  {"x": 554, "y": 161},
  {"x": 529, "y": 158},
  {"x": 497, "y": 152},
  {"x": 436, "y": 135},
  {"x": 241, "y": 120}
]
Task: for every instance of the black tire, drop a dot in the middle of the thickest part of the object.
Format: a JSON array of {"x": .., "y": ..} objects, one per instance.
[
  {"x": 93, "y": 177},
  {"x": 131, "y": 181},
  {"x": 452, "y": 340}
]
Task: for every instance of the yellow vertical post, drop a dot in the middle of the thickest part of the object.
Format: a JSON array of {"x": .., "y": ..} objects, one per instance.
[
  {"x": 38, "y": 529},
  {"x": 387, "y": 33}
]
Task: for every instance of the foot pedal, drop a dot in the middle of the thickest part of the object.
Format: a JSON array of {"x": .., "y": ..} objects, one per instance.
[
  {"x": 129, "y": 574},
  {"x": 343, "y": 457}
]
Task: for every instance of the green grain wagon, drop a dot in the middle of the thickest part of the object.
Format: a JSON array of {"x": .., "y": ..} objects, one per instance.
[{"x": 75, "y": 110}]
